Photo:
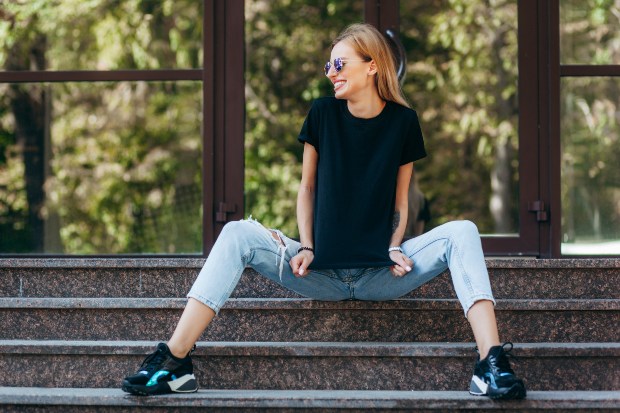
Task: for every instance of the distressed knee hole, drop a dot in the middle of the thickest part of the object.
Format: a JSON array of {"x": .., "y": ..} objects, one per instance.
[{"x": 277, "y": 237}]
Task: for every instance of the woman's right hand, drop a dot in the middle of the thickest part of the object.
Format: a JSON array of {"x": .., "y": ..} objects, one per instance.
[
  {"x": 402, "y": 263},
  {"x": 300, "y": 262}
]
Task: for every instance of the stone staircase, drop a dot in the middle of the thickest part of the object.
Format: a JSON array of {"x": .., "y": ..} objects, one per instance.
[{"x": 70, "y": 329}]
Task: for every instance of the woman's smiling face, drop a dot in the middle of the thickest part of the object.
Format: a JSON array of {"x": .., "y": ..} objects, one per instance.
[{"x": 355, "y": 76}]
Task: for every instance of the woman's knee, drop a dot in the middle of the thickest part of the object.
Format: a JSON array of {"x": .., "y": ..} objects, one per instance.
[
  {"x": 235, "y": 233},
  {"x": 248, "y": 233},
  {"x": 236, "y": 229},
  {"x": 468, "y": 225},
  {"x": 464, "y": 227},
  {"x": 233, "y": 226}
]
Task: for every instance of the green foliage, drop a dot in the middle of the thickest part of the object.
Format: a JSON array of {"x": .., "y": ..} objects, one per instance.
[
  {"x": 589, "y": 32},
  {"x": 108, "y": 34},
  {"x": 124, "y": 154}
]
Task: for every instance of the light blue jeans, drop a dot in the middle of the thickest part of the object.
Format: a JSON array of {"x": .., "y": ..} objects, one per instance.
[{"x": 455, "y": 245}]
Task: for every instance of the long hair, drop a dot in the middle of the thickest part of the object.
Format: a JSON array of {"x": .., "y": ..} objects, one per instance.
[{"x": 370, "y": 44}]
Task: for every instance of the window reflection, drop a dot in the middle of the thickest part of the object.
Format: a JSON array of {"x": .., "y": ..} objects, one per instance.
[
  {"x": 101, "y": 34},
  {"x": 101, "y": 168},
  {"x": 590, "y": 136},
  {"x": 589, "y": 32}
]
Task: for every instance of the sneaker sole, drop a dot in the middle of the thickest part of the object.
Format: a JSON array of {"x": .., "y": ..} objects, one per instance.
[
  {"x": 514, "y": 392},
  {"x": 479, "y": 388},
  {"x": 185, "y": 384}
]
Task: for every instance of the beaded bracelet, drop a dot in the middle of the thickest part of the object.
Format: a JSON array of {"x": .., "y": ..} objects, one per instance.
[
  {"x": 399, "y": 249},
  {"x": 305, "y": 249}
]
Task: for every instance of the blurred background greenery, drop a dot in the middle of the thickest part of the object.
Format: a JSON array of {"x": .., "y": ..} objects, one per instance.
[{"x": 122, "y": 166}]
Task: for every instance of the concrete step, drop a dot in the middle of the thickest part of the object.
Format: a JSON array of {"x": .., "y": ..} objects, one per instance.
[
  {"x": 172, "y": 277},
  {"x": 112, "y": 400},
  {"x": 419, "y": 320},
  {"x": 312, "y": 365}
]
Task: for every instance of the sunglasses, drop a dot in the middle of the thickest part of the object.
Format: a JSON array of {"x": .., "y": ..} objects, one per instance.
[{"x": 339, "y": 63}]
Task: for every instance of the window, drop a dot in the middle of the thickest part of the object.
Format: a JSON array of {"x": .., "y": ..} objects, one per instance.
[
  {"x": 590, "y": 127},
  {"x": 101, "y": 129}
]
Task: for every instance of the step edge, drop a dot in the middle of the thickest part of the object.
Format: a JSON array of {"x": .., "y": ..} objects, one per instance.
[
  {"x": 197, "y": 262},
  {"x": 306, "y": 349},
  {"x": 305, "y": 398},
  {"x": 556, "y": 304}
]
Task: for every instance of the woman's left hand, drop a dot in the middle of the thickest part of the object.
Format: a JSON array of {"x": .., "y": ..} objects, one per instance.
[
  {"x": 403, "y": 265},
  {"x": 300, "y": 263}
]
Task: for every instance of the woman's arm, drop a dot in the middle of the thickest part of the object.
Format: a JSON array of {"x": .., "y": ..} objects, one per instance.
[
  {"x": 399, "y": 224},
  {"x": 305, "y": 210}
]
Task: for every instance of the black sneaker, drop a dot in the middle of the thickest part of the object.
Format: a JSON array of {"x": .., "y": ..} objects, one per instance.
[
  {"x": 493, "y": 376},
  {"x": 161, "y": 373}
]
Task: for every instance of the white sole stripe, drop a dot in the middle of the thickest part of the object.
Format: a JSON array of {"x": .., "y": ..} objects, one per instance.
[
  {"x": 175, "y": 385},
  {"x": 480, "y": 384}
]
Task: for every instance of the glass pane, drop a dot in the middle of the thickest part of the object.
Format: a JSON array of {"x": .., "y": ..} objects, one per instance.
[
  {"x": 100, "y": 34},
  {"x": 101, "y": 168},
  {"x": 462, "y": 79},
  {"x": 590, "y": 136},
  {"x": 589, "y": 32},
  {"x": 287, "y": 43}
]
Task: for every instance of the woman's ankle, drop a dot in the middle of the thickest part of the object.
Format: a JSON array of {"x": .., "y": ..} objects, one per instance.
[{"x": 179, "y": 350}]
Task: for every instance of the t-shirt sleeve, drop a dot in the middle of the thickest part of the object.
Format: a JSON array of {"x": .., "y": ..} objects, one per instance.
[
  {"x": 309, "y": 130},
  {"x": 413, "y": 148}
]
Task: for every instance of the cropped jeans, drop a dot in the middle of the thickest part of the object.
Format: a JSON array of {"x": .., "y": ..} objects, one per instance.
[{"x": 455, "y": 245}]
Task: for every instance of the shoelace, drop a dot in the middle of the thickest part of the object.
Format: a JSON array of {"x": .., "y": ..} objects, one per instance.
[
  {"x": 501, "y": 363},
  {"x": 153, "y": 360}
]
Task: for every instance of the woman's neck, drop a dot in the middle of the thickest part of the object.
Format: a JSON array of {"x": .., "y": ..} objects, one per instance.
[{"x": 366, "y": 108}]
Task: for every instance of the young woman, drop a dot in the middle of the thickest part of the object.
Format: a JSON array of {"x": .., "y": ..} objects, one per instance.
[{"x": 359, "y": 149}]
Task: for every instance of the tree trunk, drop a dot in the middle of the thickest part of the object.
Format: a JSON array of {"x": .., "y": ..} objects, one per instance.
[
  {"x": 28, "y": 107},
  {"x": 500, "y": 202}
]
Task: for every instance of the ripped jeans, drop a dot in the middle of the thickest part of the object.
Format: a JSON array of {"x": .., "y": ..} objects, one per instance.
[{"x": 455, "y": 245}]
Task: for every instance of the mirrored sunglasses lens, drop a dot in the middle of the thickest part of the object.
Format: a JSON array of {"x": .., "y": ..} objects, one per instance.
[
  {"x": 328, "y": 66},
  {"x": 338, "y": 64}
]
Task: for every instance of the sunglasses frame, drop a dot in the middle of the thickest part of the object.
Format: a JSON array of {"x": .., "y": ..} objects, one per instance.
[{"x": 339, "y": 63}]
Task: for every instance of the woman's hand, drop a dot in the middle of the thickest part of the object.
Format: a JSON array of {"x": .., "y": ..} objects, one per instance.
[
  {"x": 403, "y": 263},
  {"x": 300, "y": 262}
]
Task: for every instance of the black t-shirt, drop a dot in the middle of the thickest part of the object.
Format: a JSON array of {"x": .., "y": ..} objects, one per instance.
[{"x": 355, "y": 189}]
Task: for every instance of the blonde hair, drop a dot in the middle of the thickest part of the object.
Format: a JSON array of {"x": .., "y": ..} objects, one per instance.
[{"x": 370, "y": 44}]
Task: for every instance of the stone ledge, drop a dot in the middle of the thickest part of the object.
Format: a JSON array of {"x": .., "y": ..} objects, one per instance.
[
  {"x": 316, "y": 399},
  {"x": 175, "y": 262}
]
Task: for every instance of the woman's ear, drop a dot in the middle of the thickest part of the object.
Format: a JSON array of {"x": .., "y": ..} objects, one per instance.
[{"x": 372, "y": 69}]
